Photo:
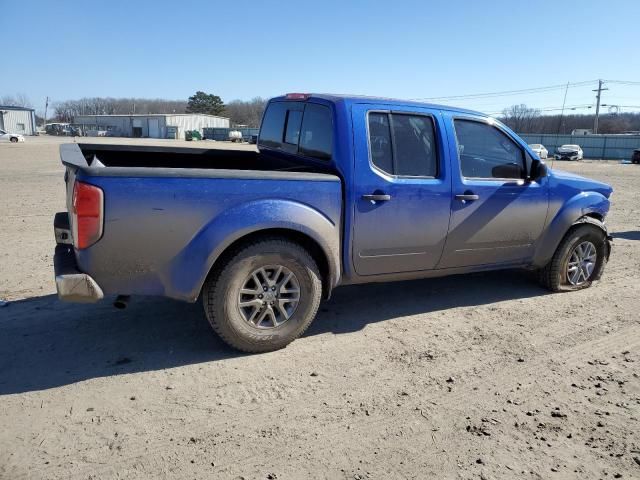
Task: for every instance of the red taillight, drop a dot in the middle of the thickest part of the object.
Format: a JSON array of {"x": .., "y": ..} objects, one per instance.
[
  {"x": 297, "y": 96},
  {"x": 88, "y": 208}
]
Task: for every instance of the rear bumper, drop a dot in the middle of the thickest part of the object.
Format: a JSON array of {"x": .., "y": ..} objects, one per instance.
[{"x": 72, "y": 285}]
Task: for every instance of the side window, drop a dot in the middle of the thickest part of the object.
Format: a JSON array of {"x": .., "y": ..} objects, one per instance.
[
  {"x": 316, "y": 139},
  {"x": 415, "y": 152},
  {"x": 486, "y": 152},
  {"x": 380, "y": 141},
  {"x": 403, "y": 144}
]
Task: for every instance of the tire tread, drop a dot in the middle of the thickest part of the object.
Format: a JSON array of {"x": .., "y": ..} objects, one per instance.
[{"x": 213, "y": 292}]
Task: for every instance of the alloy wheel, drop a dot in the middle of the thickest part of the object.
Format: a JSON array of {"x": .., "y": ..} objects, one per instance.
[
  {"x": 269, "y": 296},
  {"x": 581, "y": 264}
]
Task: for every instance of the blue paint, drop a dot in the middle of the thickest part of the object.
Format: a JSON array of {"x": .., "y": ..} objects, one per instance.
[{"x": 164, "y": 233}]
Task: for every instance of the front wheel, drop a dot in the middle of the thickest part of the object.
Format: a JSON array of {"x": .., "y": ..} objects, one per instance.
[
  {"x": 264, "y": 296},
  {"x": 578, "y": 261},
  {"x": 14, "y": 140}
]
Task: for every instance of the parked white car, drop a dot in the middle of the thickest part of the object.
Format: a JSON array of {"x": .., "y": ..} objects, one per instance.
[
  {"x": 10, "y": 137},
  {"x": 569, "y": 152},
  {"x": 539, "y": 150}
]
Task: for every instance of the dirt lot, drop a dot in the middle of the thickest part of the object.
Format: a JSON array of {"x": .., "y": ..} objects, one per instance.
[{"x": 481, "y": 376}]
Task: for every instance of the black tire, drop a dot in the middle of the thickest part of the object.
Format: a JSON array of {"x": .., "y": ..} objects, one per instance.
[
  {"x": 221, "y": 290},
  {"x": 553, "y": 276},
  {"x": 14, "y": 140}
]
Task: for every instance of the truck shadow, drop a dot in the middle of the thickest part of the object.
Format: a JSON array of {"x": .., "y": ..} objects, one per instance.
[
  {"x": 629, "y": 235},
  {"x": 352, "y": 308},
  {"x": 45, "y": 343}
]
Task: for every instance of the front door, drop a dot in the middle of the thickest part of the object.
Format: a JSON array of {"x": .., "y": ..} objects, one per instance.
[
  {"x": 402, "y": 189},
  {"x": 496, "y": 213}
]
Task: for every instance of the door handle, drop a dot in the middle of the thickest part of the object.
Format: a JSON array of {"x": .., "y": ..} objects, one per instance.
[
  {"x": 467, "y": 197},
  {"x": 377, "y": 197}
]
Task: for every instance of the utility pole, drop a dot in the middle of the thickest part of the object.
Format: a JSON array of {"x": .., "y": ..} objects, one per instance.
[
  {"x": 46, "y": 106},
  {"x": 599, "y": 90}
]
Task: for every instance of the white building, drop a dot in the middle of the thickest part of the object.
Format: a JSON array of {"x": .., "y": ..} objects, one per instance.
[
  {"x": 157, "y": 125},
  {"x": 18, "y": 120}
]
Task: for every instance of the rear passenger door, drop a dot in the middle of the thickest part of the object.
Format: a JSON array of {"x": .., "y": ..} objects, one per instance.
[
  {"x": 402, "y": 189},
  {"x": 497, "y": 214}
]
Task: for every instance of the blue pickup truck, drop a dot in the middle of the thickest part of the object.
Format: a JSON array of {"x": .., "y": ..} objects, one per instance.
[{"x": 341, "y": 190}]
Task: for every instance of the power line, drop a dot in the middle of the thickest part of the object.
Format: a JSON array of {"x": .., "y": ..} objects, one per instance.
[
  {"x": 572, "y": 107},
  {"x": 551, "y": 109},
  {"x": 623, "y": 82},
  {"x": 619, "y": 106},
  {"x": 510, "y": 92},
  {"x": 537, "y": 90}
]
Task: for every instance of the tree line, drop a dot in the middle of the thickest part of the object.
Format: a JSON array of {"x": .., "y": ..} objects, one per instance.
[
  {"x": 523, "y": 119},
  {"x": 520, "y": 118},
  {"x": 17, "y": 100},
  {"x": 240, "y": 112},
  {"x": 66, "y": 110}
]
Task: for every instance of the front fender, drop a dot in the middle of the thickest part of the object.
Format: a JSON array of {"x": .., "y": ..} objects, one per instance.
[
  {"x": 189, "y": 269},
  {"x": 584, "y": 204}
]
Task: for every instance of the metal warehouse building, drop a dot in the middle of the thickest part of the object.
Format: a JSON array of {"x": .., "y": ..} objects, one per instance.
[
  {"x": 18, "y": 120},
  {"x": 149, "y": 126}
]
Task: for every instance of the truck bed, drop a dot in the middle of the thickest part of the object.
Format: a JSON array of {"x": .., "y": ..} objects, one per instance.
[
  {"x": 168, "y": 212},
  {"x": 127, "y": 156}
]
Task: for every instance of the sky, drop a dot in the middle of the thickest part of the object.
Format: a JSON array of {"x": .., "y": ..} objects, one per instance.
[{"x": 404, "y": 49}]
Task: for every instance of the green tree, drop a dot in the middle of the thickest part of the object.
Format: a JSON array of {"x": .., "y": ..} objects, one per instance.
[{"x": 203, "y": 102}]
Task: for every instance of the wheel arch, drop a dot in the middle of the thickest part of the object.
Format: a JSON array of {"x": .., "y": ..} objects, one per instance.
[
  {"x": 587, "y": 207},
  {"x": 306, "y": 241},
  {"x": 187, "y": 272}
]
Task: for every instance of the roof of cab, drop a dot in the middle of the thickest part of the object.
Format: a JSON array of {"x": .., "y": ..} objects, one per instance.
[{"x": 351, "y": 99}]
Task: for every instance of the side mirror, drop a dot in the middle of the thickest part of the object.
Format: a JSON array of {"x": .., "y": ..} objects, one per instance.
[
  {"x": 538, "y": 170},
  {"x": 507, "y": 170}
]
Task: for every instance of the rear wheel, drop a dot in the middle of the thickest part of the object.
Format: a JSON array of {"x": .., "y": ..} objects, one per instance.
[
  {"x": 578, "y": 261},
  {"x": 265, "y": 295}
]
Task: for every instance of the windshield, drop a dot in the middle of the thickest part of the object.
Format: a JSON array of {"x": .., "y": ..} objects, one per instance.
[
  {"x": 535, "y": 145},
  {"x": 574, "y": 147},
  {"x": 2, "y": 132}
]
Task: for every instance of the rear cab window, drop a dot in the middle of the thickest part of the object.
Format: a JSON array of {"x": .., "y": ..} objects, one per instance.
[{"x": 300, "y": 128}]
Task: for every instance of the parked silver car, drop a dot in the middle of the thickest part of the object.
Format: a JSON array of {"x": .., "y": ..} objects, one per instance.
[{"x": 569, "y": 152}]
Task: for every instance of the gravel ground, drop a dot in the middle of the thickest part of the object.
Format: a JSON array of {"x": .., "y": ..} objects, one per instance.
[{"x": 479, "y": 376}]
